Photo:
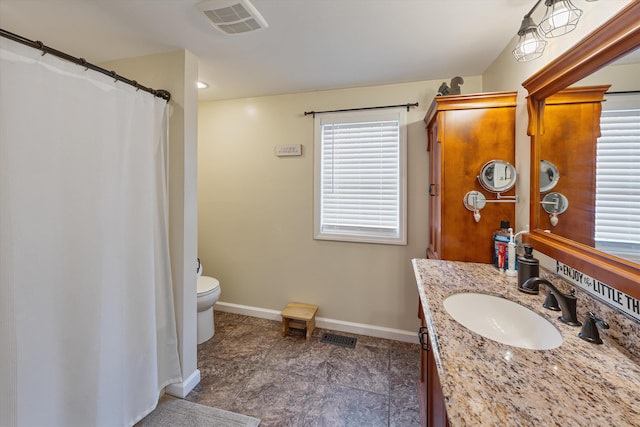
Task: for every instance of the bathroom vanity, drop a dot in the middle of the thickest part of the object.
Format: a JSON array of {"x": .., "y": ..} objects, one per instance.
[{"x": 484, "y": 382}]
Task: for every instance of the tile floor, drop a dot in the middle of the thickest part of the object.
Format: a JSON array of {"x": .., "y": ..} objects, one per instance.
[{"x": 249, "y": 368}]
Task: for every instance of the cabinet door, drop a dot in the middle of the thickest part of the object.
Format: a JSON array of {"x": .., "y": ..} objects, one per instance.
[
  {"x": 436, "y": 410},
  {"x": 435, "y": 221},
  {"x": 433, "y": 412},
  {"x": 469, "y": 139}
]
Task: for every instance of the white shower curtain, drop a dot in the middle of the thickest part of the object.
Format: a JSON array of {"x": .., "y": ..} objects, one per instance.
[{"x": 87, "y": 327}]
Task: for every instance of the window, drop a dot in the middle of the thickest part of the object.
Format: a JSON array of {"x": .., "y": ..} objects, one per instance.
[
  {"x": 360, "y": 177},
  {"x": 618, "y": 177}
]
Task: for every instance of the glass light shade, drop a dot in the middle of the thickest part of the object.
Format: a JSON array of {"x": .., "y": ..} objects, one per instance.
[
  {"x": 560, "y": 18},
  {"x": 530, "y": 46}
]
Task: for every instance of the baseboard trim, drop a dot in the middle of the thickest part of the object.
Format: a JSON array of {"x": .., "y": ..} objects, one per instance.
[
  {"x": 182, "y": 389},
  {"x": 323, "y": 322}
]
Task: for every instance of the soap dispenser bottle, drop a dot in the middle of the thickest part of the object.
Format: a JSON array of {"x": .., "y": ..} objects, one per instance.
[{"x": 528, "y": 266}]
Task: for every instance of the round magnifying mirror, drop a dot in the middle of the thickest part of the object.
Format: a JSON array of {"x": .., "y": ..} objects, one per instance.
[
  {"x": 549, "y": 176},
  {"x": 497, "y": 176},
  {"x": 555, "y": 203}
]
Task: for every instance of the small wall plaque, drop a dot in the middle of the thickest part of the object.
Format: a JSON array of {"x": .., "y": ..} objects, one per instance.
[{"x": 289, "y": 150}]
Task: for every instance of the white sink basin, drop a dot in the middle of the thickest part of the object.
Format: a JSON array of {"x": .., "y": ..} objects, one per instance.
[{"x": 502, "y": 320}]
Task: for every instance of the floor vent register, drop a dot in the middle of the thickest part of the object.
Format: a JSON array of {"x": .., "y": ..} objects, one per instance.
[{"x": 340, "y": 340}]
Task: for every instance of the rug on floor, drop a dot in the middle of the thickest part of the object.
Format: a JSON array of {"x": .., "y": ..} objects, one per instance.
[{"x": 182, "y": 413}]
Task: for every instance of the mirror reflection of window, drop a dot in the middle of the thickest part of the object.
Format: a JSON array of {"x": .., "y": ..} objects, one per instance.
[
  {"x": 617, "y": 229},
  {"x": 503, "y": 175}
]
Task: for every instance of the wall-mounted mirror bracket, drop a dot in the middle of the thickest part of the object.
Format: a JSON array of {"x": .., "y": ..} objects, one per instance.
[
  {"x": 554, "y": 204},
  {"x": 475, "y": 201},
  {"x": 505, "y": 199}
]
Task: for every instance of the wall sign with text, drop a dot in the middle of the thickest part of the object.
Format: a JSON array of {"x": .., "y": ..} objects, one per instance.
[{"x": 613, "y": 297}]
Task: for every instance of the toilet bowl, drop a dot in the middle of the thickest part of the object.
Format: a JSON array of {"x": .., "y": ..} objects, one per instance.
[{"x": 208, "y": 294}]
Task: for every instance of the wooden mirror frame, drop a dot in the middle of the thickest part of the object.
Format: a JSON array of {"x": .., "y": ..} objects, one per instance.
[{"x": 614, "y": 39}]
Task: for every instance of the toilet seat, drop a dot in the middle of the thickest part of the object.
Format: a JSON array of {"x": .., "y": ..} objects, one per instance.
[{"x": 207, "y": 285}]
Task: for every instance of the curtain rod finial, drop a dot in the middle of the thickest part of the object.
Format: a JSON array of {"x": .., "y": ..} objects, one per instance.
[{"x": 164, "y": 94}]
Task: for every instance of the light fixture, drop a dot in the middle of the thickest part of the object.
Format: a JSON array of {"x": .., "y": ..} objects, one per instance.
[
  {"x": 560, "y": 18},
  {"x": 202, "y": 85},
  {"x": 531, "y": 45}
]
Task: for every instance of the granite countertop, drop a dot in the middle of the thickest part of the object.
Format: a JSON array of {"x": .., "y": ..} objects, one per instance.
[{"x": 492, "y": 384}]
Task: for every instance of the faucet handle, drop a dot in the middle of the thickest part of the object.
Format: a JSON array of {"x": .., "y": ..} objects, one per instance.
[
  {"x": 589, "y": 330},
  {"x": 550, "y": 302}
]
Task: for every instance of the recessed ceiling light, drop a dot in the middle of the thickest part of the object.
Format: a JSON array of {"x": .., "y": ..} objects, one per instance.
[{"x": 202, "y": 85}]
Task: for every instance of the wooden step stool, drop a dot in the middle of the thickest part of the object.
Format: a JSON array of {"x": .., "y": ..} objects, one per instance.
[{"x": 299, "y": 316}]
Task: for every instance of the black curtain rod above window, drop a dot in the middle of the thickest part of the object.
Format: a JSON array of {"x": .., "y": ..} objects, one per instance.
[
  {"x": 313, "y": 113},
  {"x": 160, "y": 93},
  {"x": 622, "y": 92}
]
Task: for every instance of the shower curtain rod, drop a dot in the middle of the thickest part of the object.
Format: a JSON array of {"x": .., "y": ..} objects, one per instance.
[
  {"x": 160, "y": 93},
  {"x": 313, "y": 113}
]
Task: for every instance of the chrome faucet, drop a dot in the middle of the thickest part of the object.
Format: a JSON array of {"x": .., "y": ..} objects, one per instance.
[{"x": 567, "y": 302}]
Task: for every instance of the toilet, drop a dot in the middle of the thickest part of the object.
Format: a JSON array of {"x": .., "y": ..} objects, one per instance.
[{"x": 208, "y": 294}]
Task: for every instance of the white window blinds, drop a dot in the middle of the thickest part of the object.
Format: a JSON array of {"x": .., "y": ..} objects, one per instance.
[
  {"x": 360, "y": 177},
  {"x": 618, "y": 177}
]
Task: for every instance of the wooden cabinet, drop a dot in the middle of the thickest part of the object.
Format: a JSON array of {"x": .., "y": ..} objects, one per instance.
[
  {"x": 433, "y": 412},
  {"x": 465, "y": 132},
  {"x": 571, "y": 121}
]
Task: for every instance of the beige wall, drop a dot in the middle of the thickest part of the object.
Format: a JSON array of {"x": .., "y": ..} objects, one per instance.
[
  {"x": 177, "y": 72},
  {"x": 256, "y": 210},
  {"x": 507, "y": 74},
  {"x": 623, "y": 77}
]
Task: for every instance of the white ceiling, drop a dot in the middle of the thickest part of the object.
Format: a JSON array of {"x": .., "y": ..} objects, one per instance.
[{"x": 309, "y": 45}]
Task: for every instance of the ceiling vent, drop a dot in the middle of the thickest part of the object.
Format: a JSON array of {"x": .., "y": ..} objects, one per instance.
[{"x": 232, "y": 16}]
